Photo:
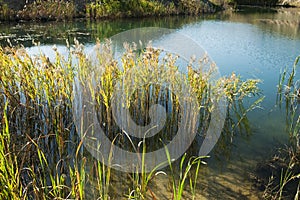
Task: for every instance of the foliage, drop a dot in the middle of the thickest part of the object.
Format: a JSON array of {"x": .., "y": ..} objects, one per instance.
[
  {"x": 5, "y": 12},
  {"x": 236, "y": 3},
  {"x": 130, "y": 8},
  {"x": 48, "y": 10},
  {"x": 195, "y": 7}
]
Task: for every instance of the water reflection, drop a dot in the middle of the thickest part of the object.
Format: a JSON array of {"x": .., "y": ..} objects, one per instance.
[
  {"x": 84, "y": 31},
  {"x": 285, "y": 22}
]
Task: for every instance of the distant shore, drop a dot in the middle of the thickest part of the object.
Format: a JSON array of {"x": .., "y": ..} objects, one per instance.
[
  {"x": 59, "y": 10},
  {"x": 62, "y": 10}
]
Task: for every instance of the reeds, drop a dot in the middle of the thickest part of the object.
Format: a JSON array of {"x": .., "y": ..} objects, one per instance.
[
  {"x": 178, "y": 184},
  {"x": 41, "y": 154},
  {"x": 286, "y": 183},
  {"x": 289, "y": 94},
  {"x": 9, "y": 166}
]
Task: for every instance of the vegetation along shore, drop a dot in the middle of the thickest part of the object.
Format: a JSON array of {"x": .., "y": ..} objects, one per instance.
[{"x": 49, "y": 10}]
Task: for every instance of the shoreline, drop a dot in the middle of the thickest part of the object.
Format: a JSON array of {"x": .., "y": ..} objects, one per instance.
[{"x": 68, "y": 11}]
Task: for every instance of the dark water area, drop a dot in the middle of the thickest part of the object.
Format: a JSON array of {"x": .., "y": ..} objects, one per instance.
[
  {"x": 253, "y": 43},
  {"x": 49, "y": 33}
]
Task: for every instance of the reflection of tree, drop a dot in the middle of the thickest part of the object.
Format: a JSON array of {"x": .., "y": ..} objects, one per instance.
[{"x": 282, "y": 21}]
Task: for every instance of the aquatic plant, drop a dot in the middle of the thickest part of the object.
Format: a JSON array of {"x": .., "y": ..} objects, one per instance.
[
  {"x": 141, "y": 180},
  {"x": 42, "y": 155},
  {"x": 288, "y": 94},
  {"x": 10, "y": 186},
  {"x": 185, "y": 168},
  {"x": 284, "y": 175}
]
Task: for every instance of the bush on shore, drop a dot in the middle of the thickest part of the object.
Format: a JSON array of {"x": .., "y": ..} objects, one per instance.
[
  {"x": 39, "y": 10},
  {"x": 48, "y": 10},
  {"x": 5, "y": 12}
]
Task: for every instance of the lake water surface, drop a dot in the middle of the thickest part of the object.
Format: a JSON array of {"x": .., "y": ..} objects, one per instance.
[{"x": 254, "y": 43}]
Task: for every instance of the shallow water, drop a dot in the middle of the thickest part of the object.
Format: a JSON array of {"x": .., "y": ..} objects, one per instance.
[{"x": 252, "y": 43}]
